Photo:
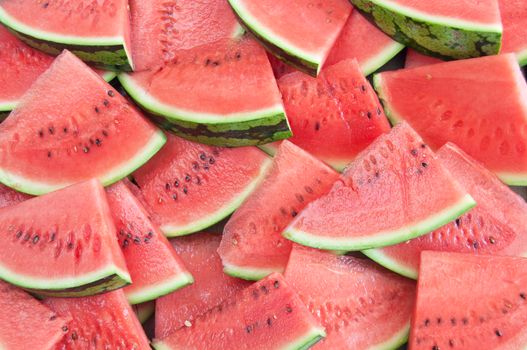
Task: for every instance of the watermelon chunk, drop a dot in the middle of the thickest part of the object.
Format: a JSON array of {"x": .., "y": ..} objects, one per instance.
[
  {"x": 26, "y": 323},
  {"x": 497, "y": 225},
  {"x": 298, "y": 32},
  {"x": 62, "y": 243},
  {"x": 395, "y": 190},
  {"x": 188, "y": 186},
  {"x": 415, "y": 59},
  {"x": 474, "y": 302},
  {"x": 154, "y": 266},
  {"x": 89, "y": 131},
  {"x": 103, "y": 321},
  {"x": 514, "y": 16},
  {"x": 210, "y": 288},
  {"x": 252, "y": 246},
  {"x": 97, "y": 32},
  {"x": 447, "y": 29},
  {"x": 361, "y": 305},
  {"x": 268, "y": 314},
  {"x": 485, "y": 115}
]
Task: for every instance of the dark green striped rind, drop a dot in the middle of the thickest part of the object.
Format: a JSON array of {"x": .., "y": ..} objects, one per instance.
[
  {"x": 103, "y": 285},
  {"x": 442, "y": 40}
]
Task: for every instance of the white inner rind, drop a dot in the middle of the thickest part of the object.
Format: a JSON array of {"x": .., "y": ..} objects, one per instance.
[
  {"x": 154, "y": 291},
  {"x": 379, "y": 257},
  {"x": 395, "y": 341},
  {"x": 380, "y": 59},
  {"x": 248, "y": 272}
]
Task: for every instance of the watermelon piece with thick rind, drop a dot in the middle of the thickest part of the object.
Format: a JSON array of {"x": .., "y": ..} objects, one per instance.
[
  {"x": 415, "y": 59},
  {"x": 189, "y": 186},
  {"x": 267, "y": 315},
  {"x": 496, "y": 226},
  {"x": 103, "y": 321},
  {"x": 252, "y": 246},
  {"x": 97, "y": 32},
  {"x": 86, "y": 130},
  {"x": 514, "y": 16},
  {"x": 467, "y": 301},
  {"x": 210, "y": 288},
  {"x": 445, "y": 29},
  {"x": 299, "y": 32},
  {"x": 395, "y": 190},
  {"x": 360, "y": 305},
  {"x": 26, "y": 323},
  {"x": 485, "y": 115},
  {"x": 154, "y": 266}
]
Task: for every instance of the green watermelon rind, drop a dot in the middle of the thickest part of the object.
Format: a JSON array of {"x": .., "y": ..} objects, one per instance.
[
  {"x": 220, "y": 213},
  {"x": 442, "y": 37},
  {"x": 522, "y": 57},
  {"x": 32, "y": 187},
  {"x": 144, "y": 312},
  {"x": 249, "y": 273},
  {"x": 382, "y": 259},
  {"x": 242, "y": 129},
  {"x": 396, "y": 341},
  {"x": 380, "y": 59},
  {"x": 382, "y": 239},
  {"x": 154, "y": 291}
]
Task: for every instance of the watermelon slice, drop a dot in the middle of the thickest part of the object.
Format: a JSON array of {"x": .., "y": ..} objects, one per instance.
[
  {"x": 103, "y": 321},
  {"x": 97, "y": 32},
  {"x": 299, "y": 32},
  {"x": 334, "y": 116},
  {"x": 361, "y": 305},
  {"x": 485, "y": 115},
  {"x": 447, "y": 29},
  {"x": 252, "y": 246},
  {"x": 62, "y": 243},
  {"x": 211, "y": 286},
  {"x": 415, "y": 59},
  {"x": 144, "y": 311},
  {"x": 89, "y": 131},
  {"x": 514, "y": 17},
  {"x": 395, "y": 190},
  {"x": 189, "y": 186},
  {"x": 474, "y": 302},
  {"x": 497, "y": 225},
  {"x": 268, "y": 314},
  {"x": 222, "y": 93},
  {"x": 26, "y": 323},
  {"x": 154, "y": 266}
]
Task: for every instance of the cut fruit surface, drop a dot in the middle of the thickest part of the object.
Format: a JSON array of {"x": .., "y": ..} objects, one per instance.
[
  {"x": 9, "y": 197},
  {"x": 395, "y": 190},
  {"x": 154, "y": 266},
  {"x": 514, "y": 15},
  {"x": 222, "y": 93},
  {"x": 210, "y": 288},
  {"x": 103, "y": 321},
  {"x": 467, "y": 301},
  {"x": 97, "y": 32},
  {"x": 415, "y": 59},
  {"x": 87, "y": 131},
  {"x": 485, "y": 115},
  {"x": 268, "y": 314},
  {"x": 26, "y": 323},
  {"x": 188, "y": 186},
  {"x": 360, "y": 305},
  {"x": 448, "y": 29},
  {"x": 298, "y": 31},
  {"x": 62, "y": 243},
  {"x": 497, "y": 225},
  {"x": 252, "y": 246}
]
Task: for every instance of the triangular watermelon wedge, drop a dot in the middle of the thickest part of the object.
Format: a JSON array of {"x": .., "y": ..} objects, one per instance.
[{"x": 395, "y": 190}]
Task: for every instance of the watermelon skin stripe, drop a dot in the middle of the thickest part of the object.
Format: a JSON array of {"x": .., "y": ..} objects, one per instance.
[{"x": 446, "y": 38}]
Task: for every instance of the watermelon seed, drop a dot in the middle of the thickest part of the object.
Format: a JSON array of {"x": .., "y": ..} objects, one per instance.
[
  {"x": 49, "y": 154},
  {"x": 439, "y": 320},
  {"x": 96, "y": 109},
  {"x": 195, "y": 166},
  {"x": 52, "y": 238},
  {"x": 294, "y": 213},
  {"x": 423, "y": 145},
  {"x": 36, "y": 239},
  {"x": 475, "y": 245},
  {"x": 106, "y": 103},
  {"x": 269, "y": 321},
  {"x": 451, "y": 343},
  {"x": 129, "y": 235},
  {"x": 125, "y": 243},
  {"x": 53, "y": 317},
  {"x": 41, "y": 133},
  {"x": 458, "y": 222},
  {"x": 264, "y": 289},
  {"x": 212, "y": 160},
  {"x": 147, "y": 240},
  {"x": 288, "y": 309},
  {"x": 424, "y": 164},
  {"x": 74, "y": 335},
  {"x": 206, "y": 166},
  {"x": 498, "y": 333},
  {"x": 249, "y": 329},
  {"x": 363, "y": 88},
  {"x": 453, "y": 321},
  {"x": 19, "y": 234},
  {"x": 188, "y": 178},
  {"x": 368, "y": 114},
  {"x": 45, "y": 5},
  {"x": 167, "y": 186},
  {"x": 105, "y": 133},
  {"x": 317, "y": 126},
  {"x": 98, "y": 142},
  {"x": 299, "y": 197},
  {"x": 176, "y": 183},
  {"x": 465, "y": 321},
  {"x": 202, "y": 156},
  {"x": 523, "y": 296},
  {"x": 51, "y": 130},
  {"x": 137, "y": 240},
  {"x": 435, "y": 347},
  {"x": 111, "y": 93},
  {"x": 379, "y": 112},
  {"x": 188, "y": 323},
  {"x": 86, "y": 149},
  {"x": 413, "y": 152},
  {"x": 65, "y": 129},
  {"x": 26, "y": 237},
  {"x": 308, "y": 189},
  {"x": 427, "y": 322},
  {"x": 64, "y": 328},
  {"x": 492, "y": 240},
  {"x": 185, "y": 190},
  {"x": 276, "y": 284},
  {"x": 150, "y": 234},
  {"x": 377, "y": 174}
]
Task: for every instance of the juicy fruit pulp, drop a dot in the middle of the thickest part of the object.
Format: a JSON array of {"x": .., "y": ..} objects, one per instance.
[
  {"x": 268, "y": 314},
  {"x": 252, "y": 245},
  {"x": 416, "y": 59},
  {"x": 497, "y": 225},
  {"x": 395, "y": 190},
  {"x": 470, "y": 302},
  {"x": 513, "y": 15},
  {"x": 62, "y": 243},
  {"x": 485, "y": 115}
]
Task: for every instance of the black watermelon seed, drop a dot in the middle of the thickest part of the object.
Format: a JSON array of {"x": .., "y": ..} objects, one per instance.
[
  {"x": 36, "y": 239},
  {"x": 427, "y": 322},
  {"x": 379, "y": 112},
  {"x": 202, "y": 156},
  {"x": 249, "y": 329},
  {"x": 498, "y": 333},
  {"x": 451, "y": 343},
  {"x": 185, "y": 190},
  {"x": 129, "y": 235},
  {"x": 65, "y": 129},
  {"x": 27, "y": 236},
  {"x": 453, "y": 321},
  {"x": 435, "y": 347},
  {"x": 424, "y": 164},
  {"x": 147, "y": 240},
  {"x": 52, "y": 238},
  {"x": 125, "y": 243},
  {"x": 288, "y": 309},
  {"x": 74, "y": 335},
  {"x": 377, "y": 174},
  {"x": 49, "y": 154},
  {"x": 206, "y": 166},
  {"x": 98, "y": 142},
  {"x": 51, "y": 130},
  {"x": 19, "y": 234},
  {"x": 137, "y": 240},
  {"x": 212, "y": 160},
  {"x": 111, "y": 93},
  {"x": 465, "y": 321},
  {"x": 167, "y": 186},
  {"x": 423, "y": 145},
  {"x": 269, "y": 321},
  {"x": 414, "y": 152},
  {"x": 207, "y": 62},
  {"x": 294, "y": 213},
  {"x": 105, "y": 133},
  {"x": 317, "y": 126},
  {"x": 45, "y": 5},
  {"x": 368, "y": 114},
  {"x": 176, "y": 183},
  {"x": 523, "y": 296},
  {"x": 458, "y": 222},
  {"x": 308, "y": 189},
  {"x": 439, "y": 320},
  {"x": 41, "y": 133},
  {"x": 276, "y": 284},
  {"x": 363, "y": 88},
  {"x": 174, "y": 196},
  {"x": 188, "y": 178},
  {"x": 150, "y": 234},
  {"x": 299, "y": 197},
  {"x": 53, "y": 317},
  {"x": 475, "y": 245},
  {"x": 264, "y": 289},
  {"x": 96, "y": 109},
  {"x": 70, "y": 245},
  {"x": 64, "y": 328},
  {"x": 106, "y": 103}
]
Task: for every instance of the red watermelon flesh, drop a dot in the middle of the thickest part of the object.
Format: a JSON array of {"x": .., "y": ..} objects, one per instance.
[
  {"x": 9, "y": 197},
  {"x": 483, "y": 114},
  {"x": 417, "y": 59},
  {"x": 252, "y": 246},
  {"x": 99, "y": 322},
  {"x": 266, "y": 315},
  {"x": 467, "y": 301},
  {"x": 62, "y": 243},
  {"x": 395, "y": 190},
  {"x": 514, "y": 17},
  {"x": 188, "y": 186},
  {"x": 26, "y": 323},
  {"x": 280, "y": 68},
  {"x": 154, "y": 266},
  {"x": 86, "y": 131},
  {"x": 360, "y": 304},
  {"x": 210, "y": 288},
  {"x": 497, "y": 225}
]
